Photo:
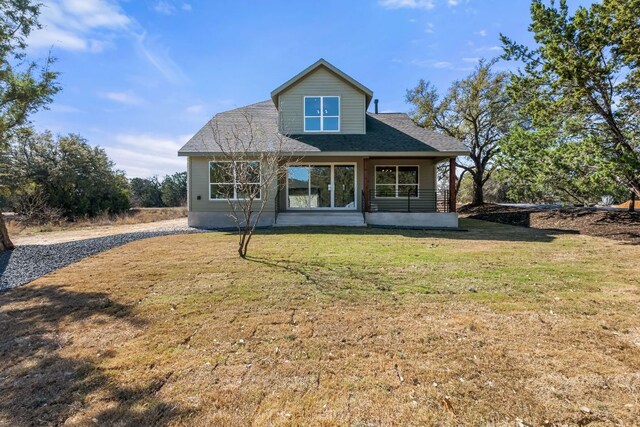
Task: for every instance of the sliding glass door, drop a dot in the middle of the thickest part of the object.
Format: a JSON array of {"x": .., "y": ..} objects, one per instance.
[
  {"x": 298, "y": 187},
  {"x": 321, "y": 187},
  {"x": 344, "y": 194}
]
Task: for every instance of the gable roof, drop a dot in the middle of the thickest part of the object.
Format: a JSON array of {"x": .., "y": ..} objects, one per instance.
[
  {"x": 387, "y": 134},
  {"x": 320, "y": 64}
]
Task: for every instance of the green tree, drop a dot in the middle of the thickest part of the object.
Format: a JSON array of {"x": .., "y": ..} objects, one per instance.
[
  {"x": 475, "y": 110},
  {"x": 174, "y": 189},
  {"x": 69, "y": 174},
  {"x": 25, "y": 86},
  {"x": 146, "y": 193},
  {"x": 578, "y": 125},
  {"x": 543, "y": 166}
]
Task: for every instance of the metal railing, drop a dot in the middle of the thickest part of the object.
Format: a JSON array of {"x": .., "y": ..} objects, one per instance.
[
  {"x": 277, "y": 206},
  {"x": 411, "y": 200}
]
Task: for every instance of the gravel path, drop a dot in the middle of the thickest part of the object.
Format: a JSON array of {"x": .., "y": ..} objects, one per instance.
[
  {"x": 71, "y": 234},
  {"x": 28, "y": 262}
]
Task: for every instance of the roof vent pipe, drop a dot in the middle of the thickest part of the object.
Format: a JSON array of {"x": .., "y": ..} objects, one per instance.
[{"x": 375, "y": 103}]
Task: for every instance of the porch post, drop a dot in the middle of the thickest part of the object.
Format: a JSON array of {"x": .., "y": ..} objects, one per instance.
[
  {"x": 452, "y": 184},
  {"x": 365, "y": 185}
]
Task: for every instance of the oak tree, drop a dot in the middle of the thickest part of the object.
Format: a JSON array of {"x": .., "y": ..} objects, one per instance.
[{"x": 475, "y": 110}]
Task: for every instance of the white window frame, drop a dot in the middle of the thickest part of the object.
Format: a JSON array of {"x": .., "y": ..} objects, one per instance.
[
  {"x": 397, "y": 184},
  {"x": 321, "y": 116},
  {"x": 234, "y": 183},
  {"x": 333, "y": 165}
]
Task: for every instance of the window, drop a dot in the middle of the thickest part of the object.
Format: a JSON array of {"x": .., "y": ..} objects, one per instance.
[
  {"x": 396, "y": 181},
  {"x": 321, "y": 113},
  {"x": 234, "y": 180}
]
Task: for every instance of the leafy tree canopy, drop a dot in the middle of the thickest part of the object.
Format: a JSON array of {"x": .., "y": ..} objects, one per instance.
[
  {"x": 476, "y": 110},
  {"x": 578, "y": 127},
  {"x": 67, "y": 173},
  {"x": 174, "y": 189},
  {"x": 146, "y": 192},
  {"x": 25, "y": 87}
]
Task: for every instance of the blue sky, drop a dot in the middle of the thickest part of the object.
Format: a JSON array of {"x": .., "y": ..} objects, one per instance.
[{"x": 140, "y": 77}]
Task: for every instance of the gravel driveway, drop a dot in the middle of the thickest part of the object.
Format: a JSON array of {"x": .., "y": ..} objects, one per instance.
[{"x": 27, "y": 261}]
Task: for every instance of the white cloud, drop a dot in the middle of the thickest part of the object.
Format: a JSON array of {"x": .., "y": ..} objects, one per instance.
[
  {"x": 159, "y": 58},
  {"x": 168, "y": 8},
  {"x": 485, "y": 49},
  {"x": 429, "y": 29},
  {"x": 96, "y": 13},
  {"x": 91, "y": 26},
  {"x": 470, "y": 59},
  {"x": 63, "y": 108},
  {"x": 430, "y": 63},
  {"x": 128, "y": 98},
  {"x": 195, "y": 109},
  {"x": 453, "y": 3},
  {"x": 144, "y": 155},
  {"x": 442, "y": 64},
  {"x": 78, "y": 25},
  {"x": 164, "y": 7},
  {"x": 410, "y": 4},
  {"x": 482, "y": 33}
]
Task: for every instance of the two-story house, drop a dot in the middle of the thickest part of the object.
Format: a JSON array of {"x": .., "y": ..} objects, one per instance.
[{"x": 351, "y": 168}]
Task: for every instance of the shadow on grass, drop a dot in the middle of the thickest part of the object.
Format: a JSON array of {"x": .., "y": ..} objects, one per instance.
[
  {"x": 40, "y": 385},
  {"x": 316, "y": 275},
  {"x": 615, "y": 224},
  {"x": 470, "y": 229}
]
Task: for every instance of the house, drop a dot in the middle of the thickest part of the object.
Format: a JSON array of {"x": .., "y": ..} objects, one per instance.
[{"x": 351, "y": 167}]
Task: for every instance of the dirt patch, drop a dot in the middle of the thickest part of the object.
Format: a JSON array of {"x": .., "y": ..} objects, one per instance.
[
  {"x": 72, "y": 235},
  {"x": 626, "y": 205},
  {"x": 616, "y": 225},
  {"x": 19, "y": 226}
]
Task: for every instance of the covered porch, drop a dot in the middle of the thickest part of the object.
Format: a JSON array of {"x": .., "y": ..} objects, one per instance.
[
  {"x": 406, "y": 205},
  {"x": 376, "y": 191}
]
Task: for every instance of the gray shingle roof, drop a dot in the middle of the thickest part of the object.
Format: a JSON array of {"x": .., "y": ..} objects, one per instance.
[{"x": 386, "y": 133}]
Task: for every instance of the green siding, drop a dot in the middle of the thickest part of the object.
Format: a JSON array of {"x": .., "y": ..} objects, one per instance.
[
  {"x": 199, "y": 186},
  {"x": 426, "y": 170},
  {"x": 322, "y": 83}
]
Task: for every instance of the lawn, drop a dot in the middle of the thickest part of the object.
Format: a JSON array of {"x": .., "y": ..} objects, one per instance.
[{"x": 331, "y": 327}]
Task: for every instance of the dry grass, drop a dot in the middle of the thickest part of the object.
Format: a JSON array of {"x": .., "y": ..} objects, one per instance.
[
  {"x": 132, "y": 216},
  {"x": 331, "y": 327}
]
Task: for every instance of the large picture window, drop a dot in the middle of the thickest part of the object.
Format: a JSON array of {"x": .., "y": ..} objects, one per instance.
[
  {"x": 234, "y": 180},
  {"x": 396, "y": 181},
  {"x": 321, "y": 113}
]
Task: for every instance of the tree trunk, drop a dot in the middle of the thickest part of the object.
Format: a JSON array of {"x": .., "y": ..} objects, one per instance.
[
  {"x": 632, "y": 203},
  {"x": 5, "y": 242},
  {"x": 478, "y": 193}
]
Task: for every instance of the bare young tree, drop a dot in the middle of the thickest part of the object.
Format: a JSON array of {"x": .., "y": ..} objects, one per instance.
[{"x": 252, "y": 164}]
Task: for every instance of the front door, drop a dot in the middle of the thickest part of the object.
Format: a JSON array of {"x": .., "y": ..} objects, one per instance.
[{"x": 321, "y": 186}]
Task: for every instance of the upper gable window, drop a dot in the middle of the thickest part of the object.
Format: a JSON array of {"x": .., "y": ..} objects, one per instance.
[{"x": 321, "y": 113}]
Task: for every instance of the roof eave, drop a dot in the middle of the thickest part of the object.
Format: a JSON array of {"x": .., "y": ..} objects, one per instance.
[
  {"x": 428, "y": 154},
  {"x": 321, "y": 63}
]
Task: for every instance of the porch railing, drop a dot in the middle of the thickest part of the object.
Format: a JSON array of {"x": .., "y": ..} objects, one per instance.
[
  {"x": 410, "y": 201},
  {"x": 277, "y": 206}
]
